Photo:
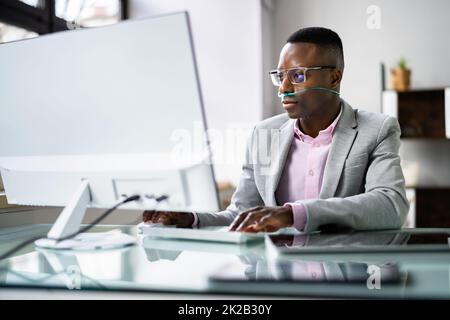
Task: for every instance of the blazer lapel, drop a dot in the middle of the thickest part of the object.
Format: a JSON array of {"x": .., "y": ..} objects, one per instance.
[
  {"x": 343, "y": 138},
  {"x": 280, "y": 144}
]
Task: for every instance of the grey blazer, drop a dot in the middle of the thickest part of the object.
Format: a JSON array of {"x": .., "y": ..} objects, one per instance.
[{"x": 363, "y": 185}]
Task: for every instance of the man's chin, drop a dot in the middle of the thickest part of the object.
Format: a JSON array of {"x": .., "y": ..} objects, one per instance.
[
  {"x": 295, "y": 114},
  {"x": 292, "y": 115},
  {"x": 292, "y": 110}
]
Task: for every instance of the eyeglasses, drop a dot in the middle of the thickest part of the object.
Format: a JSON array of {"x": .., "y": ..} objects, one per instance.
[{"x": 295, "y": 75}]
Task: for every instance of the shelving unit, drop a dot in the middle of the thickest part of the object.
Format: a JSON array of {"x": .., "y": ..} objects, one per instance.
[
  {"x": 421, "y": 113},
  {"x": 424, "y": 118}
]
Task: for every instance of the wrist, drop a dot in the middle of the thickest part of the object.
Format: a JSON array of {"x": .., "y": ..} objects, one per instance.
[
  {"x": 189, "y": 219},
  {"x": 299, "y": 215},
  {"x": 289, "y": 215}
]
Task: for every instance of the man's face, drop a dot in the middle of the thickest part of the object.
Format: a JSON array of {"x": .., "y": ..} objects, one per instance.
[{"x": 308, "y": 104}]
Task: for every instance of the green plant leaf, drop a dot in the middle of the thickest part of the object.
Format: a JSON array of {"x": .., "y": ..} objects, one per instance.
[{"x": 402, "y": 63}]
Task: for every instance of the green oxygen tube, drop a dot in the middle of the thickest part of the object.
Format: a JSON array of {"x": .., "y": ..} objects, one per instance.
[{"x": 293, "y": 94}]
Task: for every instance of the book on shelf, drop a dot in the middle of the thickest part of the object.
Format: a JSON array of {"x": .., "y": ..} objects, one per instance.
[
  {"x": 4, "y": 202},
  {"x": 7, "y": 207}
]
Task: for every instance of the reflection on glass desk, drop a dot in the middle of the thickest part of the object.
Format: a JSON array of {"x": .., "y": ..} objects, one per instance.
[
  {"x": 161, "y": 247},
  {"x": 368, "y": 241},
  {"x": 301, "y": 271},
  {"x": 206, "y": 268}
]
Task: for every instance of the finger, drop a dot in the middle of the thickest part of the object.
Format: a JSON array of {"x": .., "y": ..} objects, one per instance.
[
  {"x": 252, "y": 218},
  {"x": 250, "y": 229},
  {"x": 156, "y": 216},
  {"x": 252, "y": 209},
  {"x": 267, "y": 224},
  {"x": 237, "y": 221},
  {"x": 147, "y": 215},
  {"x": 164, "y": 219},
  {"x": 241, "y": 218}
]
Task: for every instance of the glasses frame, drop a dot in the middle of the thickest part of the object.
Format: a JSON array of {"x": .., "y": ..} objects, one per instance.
[{"x": 288, "y": 73}]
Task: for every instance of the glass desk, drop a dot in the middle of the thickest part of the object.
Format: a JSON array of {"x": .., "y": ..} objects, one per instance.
[{"x": 195, "y": 268}]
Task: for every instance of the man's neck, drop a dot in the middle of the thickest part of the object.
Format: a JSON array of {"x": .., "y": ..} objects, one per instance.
[{"x": 312, "y": 126}]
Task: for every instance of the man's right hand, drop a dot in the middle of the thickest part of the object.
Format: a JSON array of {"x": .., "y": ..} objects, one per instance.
[{"x": 180, "y": 219}]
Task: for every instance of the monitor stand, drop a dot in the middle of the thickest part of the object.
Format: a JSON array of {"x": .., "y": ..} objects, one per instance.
[{"x": 69, "y": 222}]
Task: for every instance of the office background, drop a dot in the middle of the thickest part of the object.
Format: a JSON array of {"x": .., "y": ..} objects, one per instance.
[{"x": 237, "y": 42}]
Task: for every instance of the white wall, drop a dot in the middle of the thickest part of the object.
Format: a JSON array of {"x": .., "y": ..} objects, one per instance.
[
  {"x": 415, "y": 29},
  {"x": 238, "y": 42},
  {"x": 271, "y": 104},
  {"x": 432, "y": 158},
  {"x": 227, "y": 38}
]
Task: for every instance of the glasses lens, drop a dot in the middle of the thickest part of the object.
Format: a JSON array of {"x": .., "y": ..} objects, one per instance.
[
  {"x": 277, "y": 77},
  {"x": 297, "y": 75}
]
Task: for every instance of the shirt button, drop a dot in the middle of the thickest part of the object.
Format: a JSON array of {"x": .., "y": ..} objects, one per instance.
[
  {"x": 316, "y": 144},
  {"x": 311, "y": 172}
]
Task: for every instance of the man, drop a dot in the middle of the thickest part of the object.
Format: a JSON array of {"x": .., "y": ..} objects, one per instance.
[{"x": 326, "y": 163}]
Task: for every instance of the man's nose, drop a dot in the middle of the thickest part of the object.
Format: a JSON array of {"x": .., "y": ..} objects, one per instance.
[{"x": 286, "y": 86}]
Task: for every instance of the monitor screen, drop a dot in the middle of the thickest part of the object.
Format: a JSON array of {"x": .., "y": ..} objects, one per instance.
[
  {"x": 125, "y": 89},
  {"x": 118, "y": 106}
]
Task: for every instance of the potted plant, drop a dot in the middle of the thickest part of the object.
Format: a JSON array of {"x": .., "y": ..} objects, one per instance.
[{"x": 401, "y": 76}]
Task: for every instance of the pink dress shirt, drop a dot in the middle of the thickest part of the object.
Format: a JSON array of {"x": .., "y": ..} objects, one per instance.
[
  {"x": 301, "y": 180},
  {"x": 302, "y": 175}
]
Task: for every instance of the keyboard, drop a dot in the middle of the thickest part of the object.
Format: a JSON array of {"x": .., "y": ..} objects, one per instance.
[{"x": 220, "y": 235}]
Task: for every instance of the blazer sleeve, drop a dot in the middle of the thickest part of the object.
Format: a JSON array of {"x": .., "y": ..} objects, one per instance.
[{"x": 246, "y": 195}]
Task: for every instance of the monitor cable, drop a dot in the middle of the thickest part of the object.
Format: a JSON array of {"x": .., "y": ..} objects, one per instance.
[{"x": 70, "y": 236}]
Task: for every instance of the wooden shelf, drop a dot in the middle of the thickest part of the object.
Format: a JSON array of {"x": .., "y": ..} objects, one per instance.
[
  {"x": 432, "y": 208},
  {"x": 423, "y": 113}
]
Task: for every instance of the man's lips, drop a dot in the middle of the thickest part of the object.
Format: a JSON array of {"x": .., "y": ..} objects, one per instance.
[{"x": 289, "y": 103}]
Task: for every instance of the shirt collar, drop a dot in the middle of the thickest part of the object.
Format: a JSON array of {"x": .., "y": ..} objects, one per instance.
[{"x": 324, "y": 135}]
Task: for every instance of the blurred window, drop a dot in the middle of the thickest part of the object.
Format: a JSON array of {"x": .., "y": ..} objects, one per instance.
[
  {"x": 89, "y": 13},
  {"x": 12, "y": 33},
  {"x": 34, "y": 3},
  {"x": 29, "y": 18}
]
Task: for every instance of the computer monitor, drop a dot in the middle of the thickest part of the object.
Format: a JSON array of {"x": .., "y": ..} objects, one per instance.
[{"x": 93, "y": 115}]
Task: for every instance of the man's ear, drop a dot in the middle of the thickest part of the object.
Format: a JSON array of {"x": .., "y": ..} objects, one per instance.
[{"x": 336, "y": 77}]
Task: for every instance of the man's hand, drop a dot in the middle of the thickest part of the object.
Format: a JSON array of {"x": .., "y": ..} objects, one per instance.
[
  {"x": 180, "y": 219},
  {"x": 267, "y": 219}
]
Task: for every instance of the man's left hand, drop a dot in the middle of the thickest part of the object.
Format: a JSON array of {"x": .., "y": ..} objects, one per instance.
[{"x": 268, "y": 219}]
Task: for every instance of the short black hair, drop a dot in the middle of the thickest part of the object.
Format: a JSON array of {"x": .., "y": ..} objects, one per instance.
[{"x": 321, "y": 37}]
